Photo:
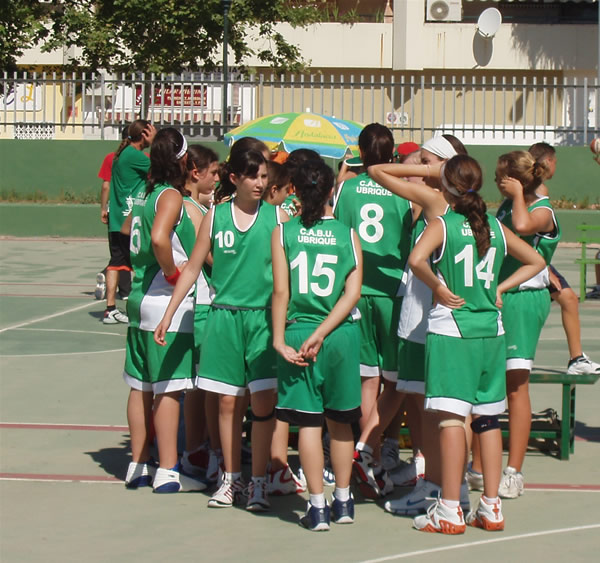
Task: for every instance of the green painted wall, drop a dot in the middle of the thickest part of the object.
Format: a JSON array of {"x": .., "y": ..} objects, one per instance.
[
  {"x": 60, "y": 168},
  {"x": 83, "y": 221}
]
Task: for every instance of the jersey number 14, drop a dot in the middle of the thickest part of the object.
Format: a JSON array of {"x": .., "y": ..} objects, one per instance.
[{"x": 483, "y": 270}]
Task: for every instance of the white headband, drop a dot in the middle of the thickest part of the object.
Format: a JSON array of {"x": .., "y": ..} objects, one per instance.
[
  {"x": 184, "y": 148},
  {"x": 446, "y": 184},
  {"x": 440, "y": 146}
]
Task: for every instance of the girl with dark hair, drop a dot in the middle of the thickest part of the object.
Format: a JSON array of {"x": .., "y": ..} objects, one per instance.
[
  {"x": 531, "y": 217},
  {"x": 465, "y": 350},
  {"x": 428, "y": 203},
  {"x": 317, "y": 271},
  {"x": 383, "y": 223},
  {"x": 236, "y": 353},
  {"x": 201, "y": 457},
  {"x": 162, "y": 238},
  {"x": 128, "y": 174}
]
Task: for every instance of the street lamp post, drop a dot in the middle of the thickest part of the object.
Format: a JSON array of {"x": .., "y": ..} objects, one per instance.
[{"x": 226, "y": 5}]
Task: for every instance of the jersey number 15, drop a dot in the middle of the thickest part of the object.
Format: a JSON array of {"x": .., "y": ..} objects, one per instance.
[{"x": 319, "y": 270}]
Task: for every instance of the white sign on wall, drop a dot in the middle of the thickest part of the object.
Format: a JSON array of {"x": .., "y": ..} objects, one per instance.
[{"x": 25, "y": 97}]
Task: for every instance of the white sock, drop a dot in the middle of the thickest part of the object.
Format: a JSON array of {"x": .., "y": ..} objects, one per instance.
[
  {"x": 258, "y": 480},
  {"x": 362, "y": 447},
  {"x": 342, "y": 494},
  {"x": 488, "y": 500},
  {"x": 451, "y": 503},
  {"x": 318, "y": 501},
  {"x": 232, "y": 476}
]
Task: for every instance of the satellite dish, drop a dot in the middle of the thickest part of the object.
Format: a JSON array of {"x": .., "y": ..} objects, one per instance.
[{"x": 489, "y": 22}]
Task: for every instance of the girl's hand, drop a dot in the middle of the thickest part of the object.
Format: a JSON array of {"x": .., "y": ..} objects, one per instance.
[
  {"x": 499, "y": 302},
  {"x": 161, "y": 331},
  {"x": 311, "y": 346},
  {"x": 444, "y": 296},
  {"x": 510, "y": 187},
  {"x": 290, "y": 355}
]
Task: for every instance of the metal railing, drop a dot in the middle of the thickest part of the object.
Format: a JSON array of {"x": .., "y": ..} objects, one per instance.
[{"x": 484, "y": 108}]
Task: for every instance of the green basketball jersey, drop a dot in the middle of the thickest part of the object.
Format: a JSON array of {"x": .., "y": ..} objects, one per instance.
[
  {"x": 242, "y": 276},
  {"x": 319, "y": 261},
  {"x": 150, "y": 291},
  {"x": 544, "y": 243},
  {"x": 289, "y": 205},
  {"x": 383, "y": 223},
  {"x": 129, "y": 175},
  {"x": 467, "y": 275},
  {"x": 203, "y": 293}
]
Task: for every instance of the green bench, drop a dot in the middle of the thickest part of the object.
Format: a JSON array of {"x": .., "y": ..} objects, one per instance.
[
  {"x": 565, "y": 433},
  {"x": 590, "y": 234}
]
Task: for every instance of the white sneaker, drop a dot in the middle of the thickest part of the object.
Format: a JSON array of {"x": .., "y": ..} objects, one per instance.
[
  {"x": 373, "y": 481},
  {"x": 582, "y": 365},
  {"x": 257, "y": 495},
  {"x": 195, "y": 462},
  {"x": 172, "y": 481},
  {"x": 390, "y": 455},
  {"x": 422, "y": 497},
  {"x": 100, "y": 291},
  {"x": 114, "y": 317},
  {"x": 284, "y": 482},
  {"x": 474, "y": 478},
  {"x": 441, "y": 518},
  {"x": 228, "y": 494},
  {"x": 511, "y": 483},
  {"x": 408, "y": 474},
  {"x": 487, "y": 516},
  {"x": 215, "y": 465},
  {"x": 139, "y": 475}
]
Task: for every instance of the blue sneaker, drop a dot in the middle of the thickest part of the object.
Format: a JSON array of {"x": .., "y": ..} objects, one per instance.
[
  {"x": 343, "y": 510},
  {"x": 316, "y": 519},
  {"x": 140, "y": 474},
  {"x": 173, "y": 481}
]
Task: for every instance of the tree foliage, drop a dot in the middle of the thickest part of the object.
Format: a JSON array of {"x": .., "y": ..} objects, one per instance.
[
  {"x": 20, "y": 28},
  {"x": 159, "y": 35}
]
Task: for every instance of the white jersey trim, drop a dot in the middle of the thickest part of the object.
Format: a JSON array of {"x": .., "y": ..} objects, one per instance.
[
  {"x": 254, "y": 218},
  {"x": 463, "y": 408}
]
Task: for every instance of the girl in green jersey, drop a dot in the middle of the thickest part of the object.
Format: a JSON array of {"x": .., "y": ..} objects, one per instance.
[
  {"x": 236, "y": 352},
  {"x": 162, "y": 238},
  {"x": 317, "y": 276},
  {"x": 465, "y": 343}
]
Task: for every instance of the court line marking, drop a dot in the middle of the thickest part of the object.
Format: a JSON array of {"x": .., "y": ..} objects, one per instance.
[
  {"x": 41, "y": 477},
  {"x": 481, "y": 542},
  {"x": 54, "y": 315},
  {"x": 62, "y": 353},
  {"x": 74, "y": 331},
  {"x": 64, "y": 426}
]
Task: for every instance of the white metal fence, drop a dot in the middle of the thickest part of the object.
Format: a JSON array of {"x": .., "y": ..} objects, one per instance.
[{"x": 480, "y": 108}]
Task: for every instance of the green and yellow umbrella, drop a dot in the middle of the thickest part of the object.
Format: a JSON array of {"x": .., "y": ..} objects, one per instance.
[{"x": 327, "y": 135}]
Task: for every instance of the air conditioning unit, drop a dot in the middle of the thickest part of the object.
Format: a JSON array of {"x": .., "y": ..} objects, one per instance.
[{"x": 444, "y": 11}]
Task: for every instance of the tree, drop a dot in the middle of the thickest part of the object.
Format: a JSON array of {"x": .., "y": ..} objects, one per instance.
[
  {"x": 19, "y": 29},
  {"x": 171, "y": 35}
]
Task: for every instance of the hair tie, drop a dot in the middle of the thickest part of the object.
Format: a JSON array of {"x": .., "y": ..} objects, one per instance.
[
  {"x": 129, "y": 137},
  {"x": 314, "y": 182},
  {"x": 471, "y": 191},
  {"x": 184, "y": 148},
  {"x": 446, "y": 184}
]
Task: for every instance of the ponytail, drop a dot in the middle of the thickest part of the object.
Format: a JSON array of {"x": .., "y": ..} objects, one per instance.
[
  {"x": 461, "y": 176},
  {"x": 134, "y": 135},
  {"x": 313, "y": 182}
]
